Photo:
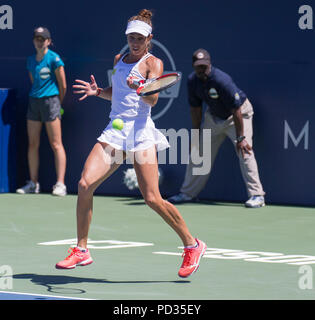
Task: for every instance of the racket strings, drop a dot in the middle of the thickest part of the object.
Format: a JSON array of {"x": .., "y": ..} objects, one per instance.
[{"x": 161, "y": 83}]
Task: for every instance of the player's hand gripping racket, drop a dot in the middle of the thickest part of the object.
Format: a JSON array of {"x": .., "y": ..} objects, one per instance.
[{"x": 152, "y": 86}]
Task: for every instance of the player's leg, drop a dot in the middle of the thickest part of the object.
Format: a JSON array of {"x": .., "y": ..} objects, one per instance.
[
  {"x": 100, "y": 164},
  {"x": 102, "y": 161},
  {"x": 146, "y": 168}
]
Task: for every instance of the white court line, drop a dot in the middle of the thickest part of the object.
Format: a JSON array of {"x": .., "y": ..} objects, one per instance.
[
  {"x": 256, "y": 256},
  {"x": 42, "y": 295}
]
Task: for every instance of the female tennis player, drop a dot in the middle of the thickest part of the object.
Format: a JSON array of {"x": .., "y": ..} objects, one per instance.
[
  {"x": 46, "y": 71},
  {"x": 139, "y": 138}
]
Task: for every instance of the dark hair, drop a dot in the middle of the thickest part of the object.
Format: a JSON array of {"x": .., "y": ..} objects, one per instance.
[{"x": 144, "y": 15}]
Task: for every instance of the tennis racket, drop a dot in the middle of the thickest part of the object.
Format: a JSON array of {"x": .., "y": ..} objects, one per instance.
[{"x": 152, "y": 86}]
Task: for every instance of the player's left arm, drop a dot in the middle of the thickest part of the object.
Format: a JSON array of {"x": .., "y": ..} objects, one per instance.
[
  {"x": 154, "y": 70},
  {"x": 62, "y": 83}
]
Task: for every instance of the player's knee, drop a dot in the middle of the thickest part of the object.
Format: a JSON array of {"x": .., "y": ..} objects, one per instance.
[
  {"x": 152, "y": 200},
  {"x": 83, "y": 186}
]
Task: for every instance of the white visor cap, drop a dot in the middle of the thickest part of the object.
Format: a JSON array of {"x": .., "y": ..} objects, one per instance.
[{"x": 138, "y": 26}]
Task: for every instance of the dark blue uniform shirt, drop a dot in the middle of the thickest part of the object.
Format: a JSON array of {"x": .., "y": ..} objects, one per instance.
[{"x": 219, "y": 92}]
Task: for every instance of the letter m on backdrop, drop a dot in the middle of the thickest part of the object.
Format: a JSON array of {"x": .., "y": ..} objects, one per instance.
[{"x": 288, "y": 133}]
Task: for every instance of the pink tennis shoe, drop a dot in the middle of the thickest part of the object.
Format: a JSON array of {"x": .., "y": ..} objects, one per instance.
[
  {"x": 190, "y": 263},
  {"x": 76, "y": 258},
  {"x": 191, "y": 259}
]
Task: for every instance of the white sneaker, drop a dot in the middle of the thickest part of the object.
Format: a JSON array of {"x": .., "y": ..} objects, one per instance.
[
  {"x": 30, "y": 187},
  {"x": 255, "y": 202},
  {"x": 180, "y": 198},
  {"x": 59, "y": 189}
]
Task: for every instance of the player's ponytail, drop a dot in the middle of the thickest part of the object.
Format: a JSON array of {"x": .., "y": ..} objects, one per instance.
[{"x": 146, "y": 16}]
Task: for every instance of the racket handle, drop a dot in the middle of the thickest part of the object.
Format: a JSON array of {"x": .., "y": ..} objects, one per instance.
[{"x": 135, "y": 80}]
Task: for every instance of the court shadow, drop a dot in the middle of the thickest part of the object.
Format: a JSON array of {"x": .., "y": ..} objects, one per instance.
[
  {"x": 206, "y": 202},
  {"x": 142, "y": 203},
  {"x": 132, "y": 201},
  {"x": 138, "y": 201},
  {"x": 131, "y": 198},
  {"x": 53, "y": 282},
  {"x": 217, "y": 203}
]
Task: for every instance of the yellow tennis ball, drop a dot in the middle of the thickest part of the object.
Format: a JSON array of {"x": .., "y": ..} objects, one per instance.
[
  {"x": 118, "y": 124},
  {"x": 62, "y": 111}
]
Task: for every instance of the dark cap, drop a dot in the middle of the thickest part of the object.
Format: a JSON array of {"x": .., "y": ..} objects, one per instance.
[
  {"x": 42, "y": 32},
  {"x": 201, "y": 57}
]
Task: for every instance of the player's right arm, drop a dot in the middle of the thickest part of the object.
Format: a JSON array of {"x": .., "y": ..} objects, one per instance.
[{"x": 90, "y": 89}]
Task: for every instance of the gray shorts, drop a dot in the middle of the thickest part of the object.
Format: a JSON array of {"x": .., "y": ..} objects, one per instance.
[{"x": 43, "y": 109}]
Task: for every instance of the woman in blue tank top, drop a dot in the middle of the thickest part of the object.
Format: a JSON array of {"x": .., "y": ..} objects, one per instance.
[{"x": 138, "y": 139}]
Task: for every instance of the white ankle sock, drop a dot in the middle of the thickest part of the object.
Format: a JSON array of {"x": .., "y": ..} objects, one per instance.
[
  {"x": 82, "y": 249},
  {"x": 191, "y": 247}
]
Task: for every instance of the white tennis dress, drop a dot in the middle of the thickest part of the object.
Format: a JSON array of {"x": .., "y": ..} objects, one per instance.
[{"x": 139, "y": 132}]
